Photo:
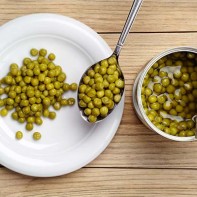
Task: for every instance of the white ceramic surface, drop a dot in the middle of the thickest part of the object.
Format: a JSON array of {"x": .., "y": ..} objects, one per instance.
[{"x": 68, "y": 143}]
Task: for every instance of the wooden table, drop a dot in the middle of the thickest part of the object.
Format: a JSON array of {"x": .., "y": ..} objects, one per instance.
[{"x": 138, "y": 162}]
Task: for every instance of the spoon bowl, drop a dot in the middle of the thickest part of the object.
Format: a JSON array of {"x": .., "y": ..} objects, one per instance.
[{"x": 120, "y": 77}]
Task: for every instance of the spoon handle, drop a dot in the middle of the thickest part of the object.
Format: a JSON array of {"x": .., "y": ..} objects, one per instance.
[{"x": 131, "y": 17}]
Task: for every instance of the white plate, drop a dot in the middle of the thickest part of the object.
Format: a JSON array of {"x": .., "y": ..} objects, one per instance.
[{"x": 68, "y": 143}]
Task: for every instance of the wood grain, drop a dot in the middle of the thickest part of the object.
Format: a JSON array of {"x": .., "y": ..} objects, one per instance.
[
  {"x": 103, "y": 182},
  {"x": 110, "y": 15}
]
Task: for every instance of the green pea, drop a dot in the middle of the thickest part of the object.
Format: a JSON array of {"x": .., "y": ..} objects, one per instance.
[
  {"x": 165, "y": 82},
  {"x": 46, "y": 113},
  {"x": 19, "y": 135},
  {"x": 157, "y": 88},
  {"x": 82, "y": 88},
  {"x": 91, "y": 93},
  {"x": 117, "y": 98},
  {"x": 38, "y": 121},
  {"x": 81, "y": 95},
  {"x": 182, "y": 125},
  {"x": 167, "y": 106},
  {"x": 90, "y": 105},
  {"x": 26, "y": 110},
  {"x": 87, "y": 111},
  {"x": 97, "y": 102},
  {"x": 170, "y": 89},
  {"x": 193, "y": 76},
  {"x": 102, "y": 70},
  {"x": 15, "y": 115},
  {"x": 155, "y": 106},
  {"x": 99, "y": 86},
  {"x": 86, "y": 99},
  {"x": 110, "y": 105},
  {"x": 173, "y": 112},
  {"x": 167, "y": 130},
  {"x": 190, "y": 133},
  {"x": 103, "y": 111},
  {"x": 30, "y": 119},
  {"x": 43, "y": 52},
  {"x": 66, "y": 87},
  {"x": 13, "y": 65},
  {"x": 111, "y": 79},
  {"x": 57, "y": 106},
  {"x": 91, "y": 73},
  {"x": 108, "y": 93},
  {"x": 190, "y": 124},
  {"x": 34, "y": 81},
  {"x": 152, "y": 99},
  {"x": 112, "y": 86},
  {"x": 10, "y": 101},
  {"x": 119, "y": 83},
  {"x": 82, "y": 104},
  {"x": 46, "y": 101},
  {"x": 1, "y": 103},
  {"x": 52, "y": 66},
  {"x": 51, "y": 56},
  {"x": 12, "y": 94},
  {"x": 104, "y": 63},
  {"x": 95, "y": 112},
  {"x": 100, "y": 93},
  {"x": 92, "y": 118},
  {"x": 52, "y": 115},
  {"x": 91, "y": 83},
  {"x": 116, "y": 90},
  {"x": 26, "y": 61},
  {"x": 21, "y": 120},
  {"x": 8, "y": 80},
  {"x": 73, "y": 86},
  {"x": 163, "y": 74},
  {"x": 96, "y": 68},
  {"x": 185, "y": 77},
  {"x": 161, "y": 99},
  {"x": 98, "y": 79},
  {"x": 112, "y": 60},
  {"x": 29, "y": 126},
  {"x": 34, "y": 52},
  {"x": 71, "y": 101},
  {"x": 173, "y": 130},
  {"x": 36, "y": 136},
  {"x": 150, "y": 117}
]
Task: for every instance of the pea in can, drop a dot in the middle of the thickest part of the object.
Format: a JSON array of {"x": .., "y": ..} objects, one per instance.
[{"x": 137, "y": 88}]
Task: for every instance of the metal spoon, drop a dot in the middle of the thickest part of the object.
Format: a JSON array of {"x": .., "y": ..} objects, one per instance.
[
  {"x": 194, "y": 118},
  {"x": 130, "y": 19}
]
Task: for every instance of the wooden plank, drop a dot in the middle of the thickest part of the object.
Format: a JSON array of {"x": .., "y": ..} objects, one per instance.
[
  {"x": 109, "y": 16},
  {"x": 134, "y": 144},
  {"x": 103, "y": 182}
]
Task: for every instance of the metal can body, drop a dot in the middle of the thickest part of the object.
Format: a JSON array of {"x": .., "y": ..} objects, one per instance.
[{"x": 137, "y": 102}]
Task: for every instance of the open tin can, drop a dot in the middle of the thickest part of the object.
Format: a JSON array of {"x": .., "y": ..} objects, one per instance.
[{"x": 137, "y": 88}]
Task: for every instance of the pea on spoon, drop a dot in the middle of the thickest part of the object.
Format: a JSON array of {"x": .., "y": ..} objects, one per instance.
[{"x": 97, "y": 101}]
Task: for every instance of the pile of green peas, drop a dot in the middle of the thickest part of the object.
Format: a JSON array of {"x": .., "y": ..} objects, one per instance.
[
  {"x": 100, "y": 89},
  {"x": 33, "y": 88},
  {"x": 169, "y": 93}
]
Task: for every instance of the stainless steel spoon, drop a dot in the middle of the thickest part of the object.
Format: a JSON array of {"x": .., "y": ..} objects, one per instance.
[
  {"x": 130, "y": 19},
  {"x": 194, "y": 118}
]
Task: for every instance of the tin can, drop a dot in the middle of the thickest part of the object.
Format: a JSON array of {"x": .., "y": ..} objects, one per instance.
[{"x": 137, "y": 87}]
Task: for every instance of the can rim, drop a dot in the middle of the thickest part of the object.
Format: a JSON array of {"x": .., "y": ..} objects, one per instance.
[{"x": 139, "y": 88}]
